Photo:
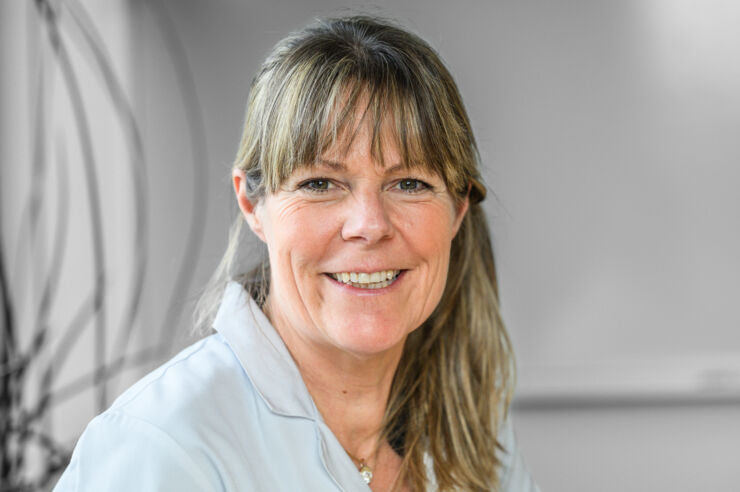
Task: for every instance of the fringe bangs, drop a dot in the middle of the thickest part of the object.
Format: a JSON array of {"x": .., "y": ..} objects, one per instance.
[{"x": 313, "y": 100}]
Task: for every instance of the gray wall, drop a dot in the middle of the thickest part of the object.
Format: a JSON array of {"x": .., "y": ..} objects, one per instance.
[{"x": 608, "y": 132}]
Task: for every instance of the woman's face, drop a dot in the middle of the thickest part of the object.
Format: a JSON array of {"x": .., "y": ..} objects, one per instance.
[{"x": 358, "y": 252}]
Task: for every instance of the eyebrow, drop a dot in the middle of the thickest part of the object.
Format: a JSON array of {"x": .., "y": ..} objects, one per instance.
[{"x": 338, "y": 166}]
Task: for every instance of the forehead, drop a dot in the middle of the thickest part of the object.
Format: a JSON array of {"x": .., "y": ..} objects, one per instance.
[
  {"x": 363, "y": 139},
  {"x": 382, "y": 127},
  {"x": 363, "y": 135},
  {"x": 351, "y": 165}
]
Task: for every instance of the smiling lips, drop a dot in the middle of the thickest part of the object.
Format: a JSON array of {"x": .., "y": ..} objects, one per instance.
[{"x": 362, "y": 280}]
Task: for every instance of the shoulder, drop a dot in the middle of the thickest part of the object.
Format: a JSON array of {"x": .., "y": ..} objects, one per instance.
[
  {"x": 515, "y": 476},
  {"x": 175, "y": 424},
  {"x": 199, "y": 395},
  {"x": 118, "y": 451},
  {"x": 189, "y": 385}
]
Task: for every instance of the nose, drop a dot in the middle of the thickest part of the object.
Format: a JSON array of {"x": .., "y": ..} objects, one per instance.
[{"x": 367, "y": 219}]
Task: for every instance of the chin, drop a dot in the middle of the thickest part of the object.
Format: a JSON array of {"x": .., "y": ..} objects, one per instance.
[{"x": 363, "y": 339}]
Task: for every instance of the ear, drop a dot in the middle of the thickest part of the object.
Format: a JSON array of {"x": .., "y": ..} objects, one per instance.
[
  {"x": 249, "y": 209},
  {"x": 461, "y": 210}
]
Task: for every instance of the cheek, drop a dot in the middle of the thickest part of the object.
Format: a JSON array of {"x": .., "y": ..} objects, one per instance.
[
  {"x": 428, "y": 235},
  {"x": 428, "y": 229},
  {"x": 299, "y": 237}
]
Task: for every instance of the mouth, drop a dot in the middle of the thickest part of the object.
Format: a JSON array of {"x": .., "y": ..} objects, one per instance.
[{"x": 362, "y": 280}]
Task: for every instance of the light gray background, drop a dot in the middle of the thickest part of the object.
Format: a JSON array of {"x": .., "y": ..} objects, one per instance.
[
  {"x": 609, "y": 135},
  {"x": 608, "y": 131}
]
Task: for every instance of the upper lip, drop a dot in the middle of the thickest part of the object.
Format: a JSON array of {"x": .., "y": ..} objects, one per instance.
[{"x": 365, "y": 270}]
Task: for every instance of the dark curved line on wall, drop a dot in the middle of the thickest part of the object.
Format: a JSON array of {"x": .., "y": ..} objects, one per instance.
[
  {"x": 57, "y": 454},
  {"x": 51, "y": 286},
  {"x": 13, "y": 385},
  {"x": 199, "y": 152},
  {"x": 16, "y": 364},
  {"x": 8, "y": 316},
  {"x": 48, "y": 17},
  {"x": 118, "y": 98},
  {"x": 58, "y": 251},
  {"x": 7, "y": 353},
  {"x": 8, "y": 380},
  {"x": 85, "y": 313},
  {"x": 27, "y": 229},
  {"x": 140, "y": 358},
  {"x": 36, "y": 183}
]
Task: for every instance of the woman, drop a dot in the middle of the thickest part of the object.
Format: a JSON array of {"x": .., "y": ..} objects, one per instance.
[{"x": 368, "y": 350}]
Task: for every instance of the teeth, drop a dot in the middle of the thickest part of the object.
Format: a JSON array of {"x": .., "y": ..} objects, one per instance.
[{"x": 374, "y": 280}]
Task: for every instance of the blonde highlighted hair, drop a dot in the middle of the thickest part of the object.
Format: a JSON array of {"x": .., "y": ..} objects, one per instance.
[{"x": 453, "y": 386}]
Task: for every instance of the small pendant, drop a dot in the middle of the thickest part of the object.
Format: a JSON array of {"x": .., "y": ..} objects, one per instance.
[{"x": 366, "y": 473}]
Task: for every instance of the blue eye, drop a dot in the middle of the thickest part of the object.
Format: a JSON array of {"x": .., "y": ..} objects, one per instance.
[{"x": 411, "y": 185}]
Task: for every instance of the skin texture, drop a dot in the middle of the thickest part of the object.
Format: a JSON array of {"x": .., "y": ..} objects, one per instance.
[{"x": 349, "y": 213}]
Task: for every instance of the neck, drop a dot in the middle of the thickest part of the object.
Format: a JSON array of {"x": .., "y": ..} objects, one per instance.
[
  {"x": 350, "y": 390},
  {"x": 352, "y": 397}
]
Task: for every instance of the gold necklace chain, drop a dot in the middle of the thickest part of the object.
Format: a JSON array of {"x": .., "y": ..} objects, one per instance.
[{"x": 365, "y": 471}]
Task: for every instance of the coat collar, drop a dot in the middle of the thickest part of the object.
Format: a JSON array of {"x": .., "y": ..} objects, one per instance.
[
  {"x": 263, "y": 355},
  {"x": 275, "y": 376}
]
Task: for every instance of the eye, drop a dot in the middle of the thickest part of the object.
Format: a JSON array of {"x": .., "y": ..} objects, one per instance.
[
  {"x": 316, "y": 185},
  {"x": 411, "y": 185}
]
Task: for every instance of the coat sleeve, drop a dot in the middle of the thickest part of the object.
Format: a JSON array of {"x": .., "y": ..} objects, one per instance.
[
  {"x": 119, "y": 453},
  {"x": 515, "y": 476}
]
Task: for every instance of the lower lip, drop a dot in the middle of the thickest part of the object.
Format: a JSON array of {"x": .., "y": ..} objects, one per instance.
[{"x": 367, "y": 292}]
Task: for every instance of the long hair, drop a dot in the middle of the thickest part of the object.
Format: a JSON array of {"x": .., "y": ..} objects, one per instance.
[{"x": 453, "y": 386}]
